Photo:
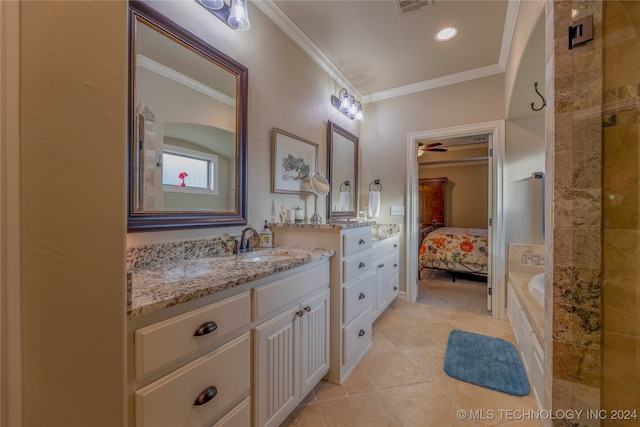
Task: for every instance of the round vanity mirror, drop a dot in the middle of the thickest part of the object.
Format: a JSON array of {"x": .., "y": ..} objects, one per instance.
[
  {"x": 319, "y": 184},
  {"x": 320, "y": 187}
]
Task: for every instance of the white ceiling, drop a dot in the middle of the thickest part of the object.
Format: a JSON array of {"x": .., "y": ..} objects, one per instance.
[{"x": 377, "y": 52}]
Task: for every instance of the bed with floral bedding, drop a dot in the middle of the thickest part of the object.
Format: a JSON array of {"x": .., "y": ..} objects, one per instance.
[{"x": 458, "y": 250}]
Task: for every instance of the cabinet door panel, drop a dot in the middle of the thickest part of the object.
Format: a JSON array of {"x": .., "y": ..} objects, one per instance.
[
  {"x": 315, "y": 341},
  {"x": 382, "y": 285},
  {"x": 276, "y": 386}
]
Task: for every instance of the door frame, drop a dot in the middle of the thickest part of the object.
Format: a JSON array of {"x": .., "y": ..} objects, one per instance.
[
  {"x": 10, "y": 261},
  {"x": 497, "y": 243}
]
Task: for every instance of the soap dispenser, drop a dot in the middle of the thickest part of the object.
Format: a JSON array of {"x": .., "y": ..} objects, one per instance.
[{"x": 266, "y": 236}]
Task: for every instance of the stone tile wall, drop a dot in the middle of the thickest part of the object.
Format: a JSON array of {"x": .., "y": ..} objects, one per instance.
[
  {"x": 620, "y": 114},
  {"x": 573, "y": 261}
]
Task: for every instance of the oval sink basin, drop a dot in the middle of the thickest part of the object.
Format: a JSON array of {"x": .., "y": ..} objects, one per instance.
[{"x": 265, "y": 258}]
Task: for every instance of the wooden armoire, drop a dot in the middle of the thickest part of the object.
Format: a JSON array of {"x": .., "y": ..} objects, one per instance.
[{"x": 431, "y": 206}]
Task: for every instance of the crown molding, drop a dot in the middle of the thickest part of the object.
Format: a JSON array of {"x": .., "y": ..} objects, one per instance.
[
  {"x": 163, "y": 70},
  {"x": 509, "y": 29},
  {"x": 273, "y": 12},
  {"x": 460, "y": 77}
]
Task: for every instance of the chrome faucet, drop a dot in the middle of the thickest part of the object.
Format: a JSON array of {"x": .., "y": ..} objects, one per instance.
[{"x": 245, "y": 244}]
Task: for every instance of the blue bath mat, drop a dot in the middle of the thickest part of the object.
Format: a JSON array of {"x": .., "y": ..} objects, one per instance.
[{"x": 485, "y": 361}]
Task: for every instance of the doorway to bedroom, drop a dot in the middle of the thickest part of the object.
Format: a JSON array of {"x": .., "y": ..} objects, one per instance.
[
  {"x": 496, "y": 290},
  {"x": 453, "y": 213}
]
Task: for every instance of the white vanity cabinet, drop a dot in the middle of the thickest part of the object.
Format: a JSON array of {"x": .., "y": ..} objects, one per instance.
[
  {"x": 243, "y": 357},
  {"x": 529, "y": 345},
  {"x": 292, "y": 346},
  {"x": 386, "y": 270},
  {"x": 352, "y": 288}
]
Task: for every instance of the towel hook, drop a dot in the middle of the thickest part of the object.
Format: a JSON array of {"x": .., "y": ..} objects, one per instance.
[
  {"x": 375, "y": 182},
  {"x": 544, "y": 101},
  {"x": 346, "y": 183}
]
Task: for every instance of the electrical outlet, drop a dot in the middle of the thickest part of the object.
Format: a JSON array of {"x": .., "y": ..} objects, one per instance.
[{"x": 397, "y": 210}]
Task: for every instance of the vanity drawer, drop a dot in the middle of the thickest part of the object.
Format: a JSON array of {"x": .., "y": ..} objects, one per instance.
[
  {"x": 169, "y": 401},
  {"x": 356, "y": 265},
  {"x": 357, "y": 337},
  {"x": 356, "y": 241},
  {"x": 164, "y": 342},
  {"x": 394, "y": 264},
  {"x": 394, "y": 288},
  {"x": 394, "y": 244},
  {"x": 357, "y": 295},
  {"x": 284, "y": 292}
]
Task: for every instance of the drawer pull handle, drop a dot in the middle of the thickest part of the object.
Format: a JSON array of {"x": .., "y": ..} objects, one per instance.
[
  {"x": 300, "y": 313},
  {"x": 361, "y": 333},
  {"x": 395, "y": 288},
  {"x": 395, "y": 265},
  {"x": 361, "y": 296},
  {"x": 307, "y": 308},
  {"x": 361, "y": 242},
  {"x": 380, "y": 265},
  {"x": 205, "y": 328},
  {"x": 395, "y": 245},
  {"x": 361, "y": 265},
  {"x": 206, "y": 395}
]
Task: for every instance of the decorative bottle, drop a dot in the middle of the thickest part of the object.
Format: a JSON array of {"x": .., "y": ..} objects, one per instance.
[{"x": 266, "y": 236}]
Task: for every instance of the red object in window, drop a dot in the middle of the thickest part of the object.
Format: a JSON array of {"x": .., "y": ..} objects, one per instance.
[{"x": 182, "y": 176}]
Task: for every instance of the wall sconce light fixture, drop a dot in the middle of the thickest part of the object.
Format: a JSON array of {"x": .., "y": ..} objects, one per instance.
[
  {"x": 234, "y": 15},
  {"x": 348, "y": 105}
]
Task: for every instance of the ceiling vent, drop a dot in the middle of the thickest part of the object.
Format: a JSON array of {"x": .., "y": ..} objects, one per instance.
[{"x": 409, "y": 5}]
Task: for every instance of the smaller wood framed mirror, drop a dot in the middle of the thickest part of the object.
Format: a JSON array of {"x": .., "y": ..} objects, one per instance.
[{"x": 342, "y": 171}]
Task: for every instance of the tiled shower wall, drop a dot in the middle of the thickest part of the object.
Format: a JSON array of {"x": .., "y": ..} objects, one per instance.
[
  {"x": 621, "y": 259},
  {"x": 573, "y": 331},
  {"x": 593, "y": 119}
]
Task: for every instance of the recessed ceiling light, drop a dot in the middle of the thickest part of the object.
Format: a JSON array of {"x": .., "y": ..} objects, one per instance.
[
  {"x": 446, "y": 34},
  {"x": 574, "y": 12}
]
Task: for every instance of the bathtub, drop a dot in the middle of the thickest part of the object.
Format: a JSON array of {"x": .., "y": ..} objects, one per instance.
[{"x": 536, "y": 287}]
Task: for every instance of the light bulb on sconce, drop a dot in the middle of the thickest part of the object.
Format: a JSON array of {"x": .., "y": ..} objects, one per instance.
[
  {"x": 359, "y": 113},
  {"x": 345, "y": 101},
  {"x": 234, "y": 15},
  {"x": 348, "y": 105},
  {"x": 212, "y": 4},
  {"x": 239, "y": 16}
]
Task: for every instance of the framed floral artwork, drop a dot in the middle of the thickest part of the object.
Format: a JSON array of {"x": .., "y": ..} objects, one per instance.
[{"x": 293, "y": 162}]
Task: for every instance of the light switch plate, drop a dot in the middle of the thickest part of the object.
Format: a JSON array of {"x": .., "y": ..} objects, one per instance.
[{"x": 397, "y": 210}]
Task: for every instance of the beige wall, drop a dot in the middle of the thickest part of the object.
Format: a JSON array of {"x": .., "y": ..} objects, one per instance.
[
  {"x": 466, "y": 199},
  {"x": 523, "y": 195},
  {"x": 73, "y": 225}
]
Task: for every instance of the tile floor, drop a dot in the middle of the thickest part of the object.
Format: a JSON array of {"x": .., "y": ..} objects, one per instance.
[{"x": 400, "y": 381}]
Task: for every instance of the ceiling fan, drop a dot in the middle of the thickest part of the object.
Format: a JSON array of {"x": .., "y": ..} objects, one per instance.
[{"x": 422, "y": 147}]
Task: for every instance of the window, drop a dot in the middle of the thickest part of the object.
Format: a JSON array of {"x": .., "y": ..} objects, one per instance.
[{"x": 189, "y": 171}]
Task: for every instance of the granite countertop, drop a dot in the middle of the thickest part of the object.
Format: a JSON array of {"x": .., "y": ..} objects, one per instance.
[
  {"x": 332, "y": 225},
  {"x": 156, "y": 288},
  {"x": 379, "y": 231},
  {"x": 519, "y": 278}
]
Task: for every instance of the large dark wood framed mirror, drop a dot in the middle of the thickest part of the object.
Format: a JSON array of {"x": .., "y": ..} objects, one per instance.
[
  {"x": 342, "y": 171},
  {"x": 187, "y": 128}
]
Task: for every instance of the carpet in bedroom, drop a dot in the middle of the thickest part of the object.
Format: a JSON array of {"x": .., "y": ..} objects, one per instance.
[{"x": 468, "y": 292}]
